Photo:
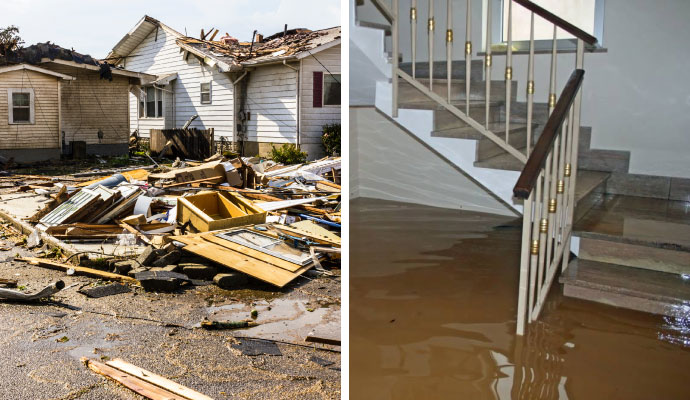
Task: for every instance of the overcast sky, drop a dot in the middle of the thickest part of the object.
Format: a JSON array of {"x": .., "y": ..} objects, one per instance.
[{"x": 94, "y": 27}]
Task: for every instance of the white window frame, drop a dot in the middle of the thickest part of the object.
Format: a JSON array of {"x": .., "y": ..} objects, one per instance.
[
  {"x": 10, "y": 107},
  {"x": 156, "y": 92},
  {"x": 323, "y": 89},
  {"x": 543, "y": 46},
  {"x": 210, "y": 92}
]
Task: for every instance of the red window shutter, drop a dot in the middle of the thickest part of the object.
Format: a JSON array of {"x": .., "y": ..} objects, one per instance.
[{"x": 318, "y": 89}]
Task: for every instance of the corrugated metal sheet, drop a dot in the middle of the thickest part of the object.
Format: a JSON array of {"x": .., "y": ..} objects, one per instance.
[{"x": 77, "y": 202}]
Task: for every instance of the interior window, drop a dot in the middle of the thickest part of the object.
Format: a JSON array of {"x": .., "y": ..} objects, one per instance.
[
  {"x": 331, "y": 89},
  {"x": 580, "y": 13}
]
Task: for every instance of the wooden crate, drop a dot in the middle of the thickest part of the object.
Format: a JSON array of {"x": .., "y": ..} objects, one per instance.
[{"x": 211, "y": 211}]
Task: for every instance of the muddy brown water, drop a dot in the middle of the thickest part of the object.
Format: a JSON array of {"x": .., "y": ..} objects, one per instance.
[{"x": 433, "y": 299}]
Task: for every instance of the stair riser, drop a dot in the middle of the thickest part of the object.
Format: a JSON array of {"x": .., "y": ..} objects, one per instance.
[
  {"x": 446, "y": 120},
  {"x": 408, "y": 92},
  {"x": 631, "y": 255},
  {"x": 620, "y": 300},
  {"x": 441, "y": 69},
  {"x": 487, "y": 149}
]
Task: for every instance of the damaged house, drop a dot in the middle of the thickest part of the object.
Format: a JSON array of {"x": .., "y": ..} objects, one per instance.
[
  {"x": 61, "y": 102},
  {"x": 278, "y": 89}
]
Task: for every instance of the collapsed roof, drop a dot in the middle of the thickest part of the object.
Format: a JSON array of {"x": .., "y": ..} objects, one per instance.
[
  {"x": 278, "y": 47},
  {"x": 229, "y": 54},
  {"x": 42, "y": 53}
]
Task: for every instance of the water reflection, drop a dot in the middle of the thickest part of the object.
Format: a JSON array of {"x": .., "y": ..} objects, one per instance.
[{"x": 432, "y": 316}]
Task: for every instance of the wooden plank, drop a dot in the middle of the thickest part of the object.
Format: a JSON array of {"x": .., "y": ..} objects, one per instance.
[
  {"x": 157, "y": 380},
  {"x": 93, "y": 273},
  {"x": 144, "y": 238},
  {"x": 258, "y": 269},
  {"x": 286, "y": 265},
  {"x": 137, "y": 385}
]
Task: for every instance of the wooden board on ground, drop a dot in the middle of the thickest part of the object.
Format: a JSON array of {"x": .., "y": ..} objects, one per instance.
[
  {"x": 241, "y": 262},
  {"x": 311, "y": 230},
  {"x": 157, "y": 380},
  {"x": 94, "y": 273},
  {"x": 137, "y": 385}
]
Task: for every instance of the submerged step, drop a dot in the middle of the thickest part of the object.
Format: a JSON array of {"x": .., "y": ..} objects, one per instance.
[
  {"x": 625, "y": 287},
  {"x": 637, "y": 232}
]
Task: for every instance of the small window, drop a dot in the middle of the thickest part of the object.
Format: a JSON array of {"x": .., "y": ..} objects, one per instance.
[
  {"x": 331, "y": 89},
  {"x": 152, "y": 105},
  {"x": 587, "y": 15},
  {"x": 206, "y": 93},
  {"x": 21, "y": 109},
  {"x": 150, "y": 102}
]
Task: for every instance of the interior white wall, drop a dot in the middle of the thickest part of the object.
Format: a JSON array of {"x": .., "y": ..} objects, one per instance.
[
  {"x": 392, "y": 165},
  {"x": 636, "y": 95}
]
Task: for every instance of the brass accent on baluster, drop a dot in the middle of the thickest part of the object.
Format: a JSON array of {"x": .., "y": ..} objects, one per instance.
[
  {"x": 535, "y": 247},
  {"x": 487, "y": 60},
  {"x": 413, "y": 14},
  {"x": 560, "y": 188},
  {"x": 449, "y": 35},
  {"x": 552, "y": 100},
  {"x": 552, "y": 206},
  {"x": 567, "y": 170},
  {"x": 468, "y": 47},
  {"x": 431, "y": 24},
  {"x": 509, "y": 73},
  {"x": 543, "y": 225},
  {"x": 530, "y": 87}
]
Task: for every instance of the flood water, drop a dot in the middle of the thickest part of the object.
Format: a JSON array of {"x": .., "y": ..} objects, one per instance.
[{"x": 433, "y": 301}]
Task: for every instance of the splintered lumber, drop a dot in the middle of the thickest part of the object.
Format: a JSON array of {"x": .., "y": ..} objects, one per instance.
[
  {"x": 136, "y": 233},
  {"x": 157, "y": 380},
  {"x": 140, "y": 386},
  {"x": 90, "y": 272}
]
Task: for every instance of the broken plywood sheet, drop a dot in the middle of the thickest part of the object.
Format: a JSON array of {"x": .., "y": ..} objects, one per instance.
[
  {"x": 244, "y": 263},
  {"x": 311, "y": 230}
]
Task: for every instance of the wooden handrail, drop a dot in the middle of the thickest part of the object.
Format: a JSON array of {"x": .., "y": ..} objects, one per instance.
[
  {"x": 537, "y": 159},
  {"x": 558, "y": 21}
]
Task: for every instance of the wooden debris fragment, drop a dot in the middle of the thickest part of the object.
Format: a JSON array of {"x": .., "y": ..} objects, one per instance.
[
  {"x": 140, "y": 386},
  {"x": 90, "y": 272}
]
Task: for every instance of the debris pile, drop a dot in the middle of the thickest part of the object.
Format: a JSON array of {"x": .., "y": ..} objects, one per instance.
[{"x": 218, "y": 221}]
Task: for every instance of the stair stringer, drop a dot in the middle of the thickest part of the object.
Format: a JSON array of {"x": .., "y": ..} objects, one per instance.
[{"x": 461, "y": 152}]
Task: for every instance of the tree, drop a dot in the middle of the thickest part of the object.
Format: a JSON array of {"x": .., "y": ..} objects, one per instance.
[{"x": 10, "y": 40}]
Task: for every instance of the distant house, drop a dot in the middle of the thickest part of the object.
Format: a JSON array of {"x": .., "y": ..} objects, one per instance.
[
  {"x": 57, "y": 97},
  {"x": 278, "y": 89}
]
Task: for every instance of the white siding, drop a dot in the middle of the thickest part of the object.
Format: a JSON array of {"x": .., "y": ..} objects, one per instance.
[
  {"x": 162, "y": 56},
  {"x": 272, "y": 102},
  {"x": 312, "y": 119}
]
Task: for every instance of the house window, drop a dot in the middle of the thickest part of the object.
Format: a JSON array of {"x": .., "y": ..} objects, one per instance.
[
  {"x": 587, "y": 15},
  {"x": 152, "y": 105},
  {"x": 206, "y": 93},
  {"x": 331, "y": 89},
  {"x": 21, "y": 110}
]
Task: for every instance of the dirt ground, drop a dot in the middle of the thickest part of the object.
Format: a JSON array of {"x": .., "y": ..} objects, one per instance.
[{"x": 42, "y": 343}]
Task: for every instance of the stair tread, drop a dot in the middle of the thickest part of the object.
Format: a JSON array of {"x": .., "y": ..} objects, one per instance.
[
  {"x": 468, "y": 132},
  {"x": 433, "y": 105},
  {"x": 638, "y": 220},
  {"x": 627, "y": 281}
]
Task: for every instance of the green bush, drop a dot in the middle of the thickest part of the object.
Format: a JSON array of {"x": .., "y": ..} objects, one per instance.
[
  {"x": 288, "y": 154},
  {"x": 331, "y": 139}
]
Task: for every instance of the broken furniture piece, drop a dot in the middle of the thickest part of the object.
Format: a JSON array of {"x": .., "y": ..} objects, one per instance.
[{"x": 210, "y": 211}]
